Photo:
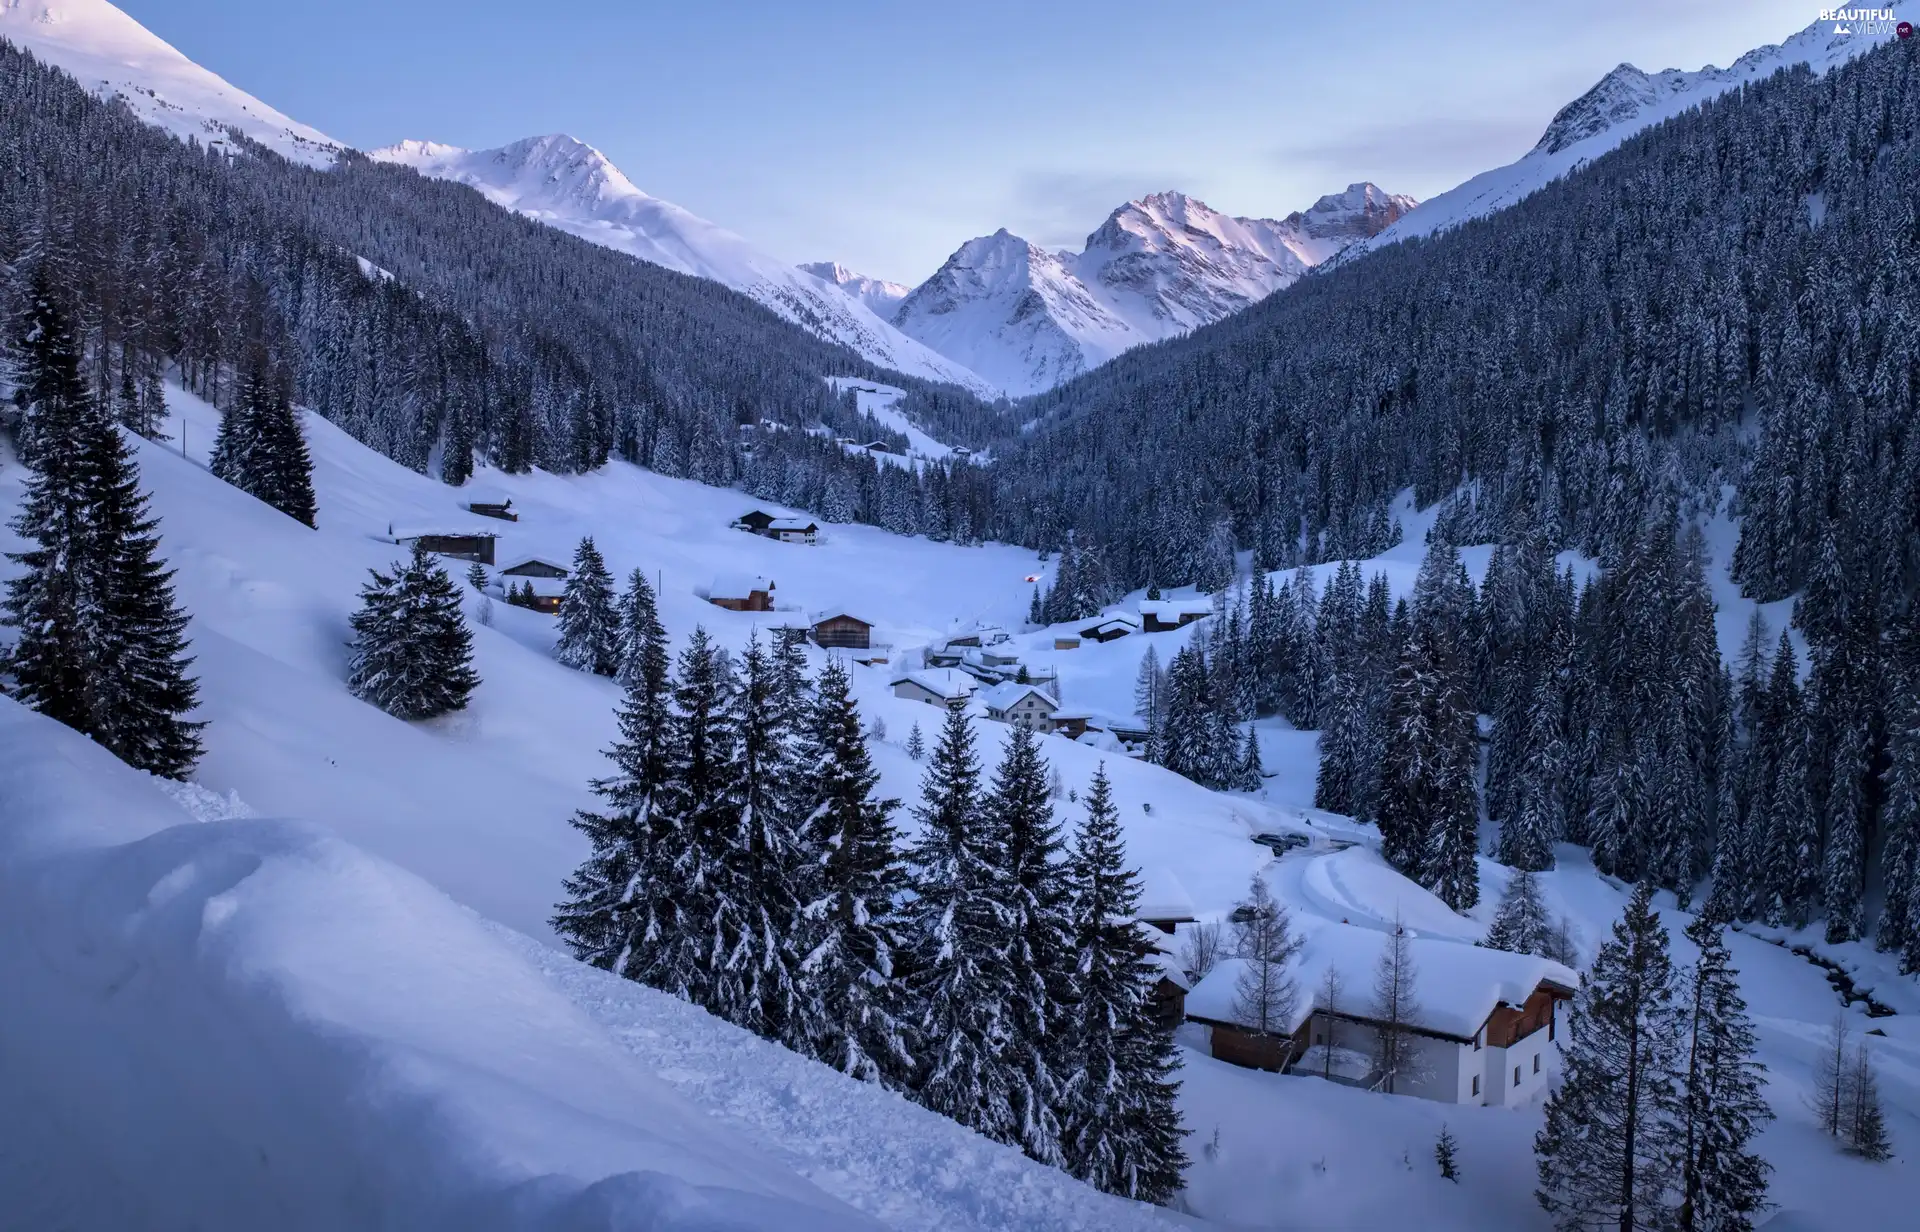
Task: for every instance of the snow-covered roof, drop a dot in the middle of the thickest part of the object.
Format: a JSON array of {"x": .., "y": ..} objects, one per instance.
[
  {"x": 1128, "y": 619},
  {"x": 524, "y": 561},
  {"x": 942, "y": 682},
  {"x": 793, "y": 524},
  {"x": 737, "y": 586},
  {"x": 1060, "y": 713},
  {"x": 1006, "y": 696},
  {"x": 1456, "y": 986},
  {"x": 838, "y": 613},
  {"x": 401, "y": 534},
  {"x": 1173, "y": 609},
  {"x": 1162, "y": 897}
]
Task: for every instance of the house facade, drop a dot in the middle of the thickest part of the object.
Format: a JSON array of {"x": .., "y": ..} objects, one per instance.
[
  {"x": 535, "y": 567},
  {"x": 742, "y": 594},
  {"x": 1166, "y": 615},
  {"x": 461, "y": 543},
  {"x": 841, "y": 630},
  {"x": 1021, "y": 705},
  {"x": 936, "y": 687}
]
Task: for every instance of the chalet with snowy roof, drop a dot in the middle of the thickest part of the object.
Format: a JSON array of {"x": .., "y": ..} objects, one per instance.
[
  {"x": 793, "y": 530},
  {"x": 1170, "y": 987},
  {"x": 936, "y": 687},
  {"x": 754, "y": 521},
  {"x": 1164, "y": 903},
  {"x": 741, "y": 593},
  {"x": 535, "y": 567},
  {"x": 501, "y": 509},
  {"x": 1166, "y": 615},
  {"x": 1111, "y": 626},
  {"x": 1072, "y": 724},
  {"x": 1022, "y": 705},
  {"x": 839, "y": 629},
  {"x": 461, "y": 543},
  {"x": 1484, "y": 1028}
]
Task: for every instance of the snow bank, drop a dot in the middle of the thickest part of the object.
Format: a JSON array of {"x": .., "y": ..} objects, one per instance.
[{"x": 251, "y": 1024}]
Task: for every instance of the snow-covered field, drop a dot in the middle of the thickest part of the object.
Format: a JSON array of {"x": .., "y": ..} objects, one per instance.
[{"x": 365, "y": 997}]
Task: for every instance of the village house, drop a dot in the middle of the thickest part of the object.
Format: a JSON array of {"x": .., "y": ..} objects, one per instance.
[
  {"x": 1072, "y": 724},
  {"x": 1166, "y": 615},
  {"x": 778, "y": 528},
  {"x": 936, "y": 687},
  {"x": 754, "y": 522},
  {"x": 1022, "y": 705},
  {"x": 839, "y": 629},
  {"x": 1164, "y": 903},
  {"x": 741, "y": 593},
  {"x": 1111, "y": 626},
  {"x": 1484, "y": 1027},
  {"x": 1066, "y": 643},
  {"x": 546, "y": 580},
  {"x": 459, "y": 543}
]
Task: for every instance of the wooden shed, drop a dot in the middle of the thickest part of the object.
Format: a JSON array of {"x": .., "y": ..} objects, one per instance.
[
  {"x": 494, "y": 509},
  {"x": 535, "y": 567},
  {"x": 742, "y": 594},
  {"x": 839, "y": 629},
  {"x": 460, "y": 543}
]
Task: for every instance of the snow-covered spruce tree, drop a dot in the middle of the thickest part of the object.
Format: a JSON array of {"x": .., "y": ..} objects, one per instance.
[
  {"x": 1534, "y": 823},
  {"x": 1792, "y": 854},
  {"x": 1252, "y": 774},
  {"x": 960, "y": 979},
  {"x": 1898, "y": 929},
  {"x": 1445, "y": 1154},
  {"x": 643, "y": 642},
  {"x": 698, "y": 815},
  {"x": 1520, "y": 923},
  {"x": 1609, "y": 1155},
  {"x": 1266, "y": 997},
  {"x": 259, "y": 447},
  {"x": 589, "y": 624},
  {"x": 1345, "y": 749},
  {"x": 1037, "y": 941},
  {"x": 765, "y": 872},
  {"x": 916, "y": 743},
  {"x": 102, "y": 644},
  {"x": 477, "y": 577},
  {"x": 855, "y": 1013},
  {"x": 1722, "y": 1107},
  {"x": 1429, "y": 808},
  {"x": 412, "y": 654},
  {"x": 1395, "y": 1007},
  {"x": 1120, "y": 1126}
]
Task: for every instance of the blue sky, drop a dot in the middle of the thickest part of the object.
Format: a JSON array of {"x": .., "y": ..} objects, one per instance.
[{"x": 883, "y": 134}]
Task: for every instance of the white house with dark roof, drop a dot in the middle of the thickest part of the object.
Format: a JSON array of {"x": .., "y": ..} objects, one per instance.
[
  {"x": 1164, "y": 615},
  {"x": 1484, "y": 1028},
  {"x": 793, "y": 530},
  {"x": 937, "y": 687},
  {"x": 1022, "y": 705}
]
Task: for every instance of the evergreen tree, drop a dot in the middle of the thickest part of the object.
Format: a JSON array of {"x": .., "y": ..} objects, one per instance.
[
  {"x": 1036, "y": 940},
  {"x": 643, "y": 643},
  {"x": 1150, "y": 694},
  {"x": 1609, "y": 1153},
  {"x": 1520, "y": 923},
  {"x": 259, "y": 447},
  {"x": 1266, "y": 997},
  {"x": 960, "y": 978},
  {"x": 1722, "y": 1107},
  {"x": 1120, "y": 1128},
  {"x": 1251, "y": 773},
  {"x": 1865, "y": 1128},
  {"x": 1792, "y": 852},
  {"x": 102, "y": 644},
  {"x": 1429, "y": 811},
  {"x": 856, "y": 1017},
  {"x": 1445, "y": 1149},
  {"x": 1898, "y": 930},
  {"x": 477, "y": 577},
  {"x": 916, "y": 743},
  {"x": 412, "y": 653},
  {"x": 590, "y": 632}
]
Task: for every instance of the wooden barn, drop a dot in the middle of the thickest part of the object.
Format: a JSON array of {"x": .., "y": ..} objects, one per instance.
[
  {"x": 1107, "y": 628},
  {"x": 754, "y": 522},
  {"x": 742, "y": 593},
  {"x": 502, "y": 509},
  {"x": 459, "y": 543},
  {"x": 535, "y": 567},
  {"x": 839, "y": 629},
  {"x": 1166, "y": 615}
]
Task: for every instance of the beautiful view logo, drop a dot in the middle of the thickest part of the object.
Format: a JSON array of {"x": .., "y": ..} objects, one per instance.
[{"x": 1865, "y": 21}]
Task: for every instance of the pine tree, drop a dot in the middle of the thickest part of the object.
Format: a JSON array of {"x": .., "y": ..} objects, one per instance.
[
  {"x": 1792, "y": 855},
  {"x": 1865, "y": 1124},
  {"x": 916, "y": 743},
  {"x": 1428, "y": 812},
  {"x": 1723, "y": 1184},
  {"x": 589, "y": 625},
  {"x": 412, "y": 653},
  {"x": 1395, "y": 1008},
  {"x": 1266, "y": 997},
  {"x": 853, "y": 942},
  {"x": 1036, "y": 939},
  {"x": 1520, "y": 923},
  {"x": 102, "y": 644},
  {"x": 477, "y": 577},
  {"x": 259, "y": 447},
  {"x": 1609, "y": 1153},
  {"x": 1898, "y": 929},
  {"x": 1444, "y": 1152},
  {"x": 1251, "y": 774},
  {"x": 1120, "y": 1125},
  {"x": 643, "y": 641},
  {"x": 960, "y": 979}
]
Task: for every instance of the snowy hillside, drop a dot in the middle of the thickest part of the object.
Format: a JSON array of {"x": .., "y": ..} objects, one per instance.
[
  {"x": 1623, "y": 103},
  {"x": 1028, "y": 319},
  {"x": 116, "y": 57},
  {"x": 880, "y": 296},
  {"x": 568, "y": 184}
]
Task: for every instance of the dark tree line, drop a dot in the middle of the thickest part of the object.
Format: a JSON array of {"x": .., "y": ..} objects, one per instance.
[{"x": 991, "y": 971}]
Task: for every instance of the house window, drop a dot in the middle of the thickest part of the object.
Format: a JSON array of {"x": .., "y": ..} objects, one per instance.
[
  {"x": 1476, "y": 1084},
  {"x": 1536, "y": 1062},
  {"x": 1476, "y": 1043},
  {"x": 1551, "y": 1017},
  {"x": 1516, "y": 1075}
]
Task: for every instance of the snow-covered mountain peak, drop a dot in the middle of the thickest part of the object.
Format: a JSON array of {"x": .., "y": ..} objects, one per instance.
[
  {"x": 115, "y": 56},
  {"x": 569, "y": 185},
  {"x": 1622, "y": 103},
  {"x": 880, "y": 296},
  {"x": 1166, "y": 263}
]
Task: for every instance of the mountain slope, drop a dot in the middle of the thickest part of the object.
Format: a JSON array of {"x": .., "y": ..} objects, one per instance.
[
  {"x": 1028, "y": 319},
  {"x": 114, "y": 56},
  {"x": 1624, "y": 102},
  {"x": 881, "y": 296},
  {"x": 569, "y": 185}
]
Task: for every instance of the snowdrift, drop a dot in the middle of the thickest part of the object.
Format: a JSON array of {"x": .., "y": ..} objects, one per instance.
[{"x": 252, "y": 1024}]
